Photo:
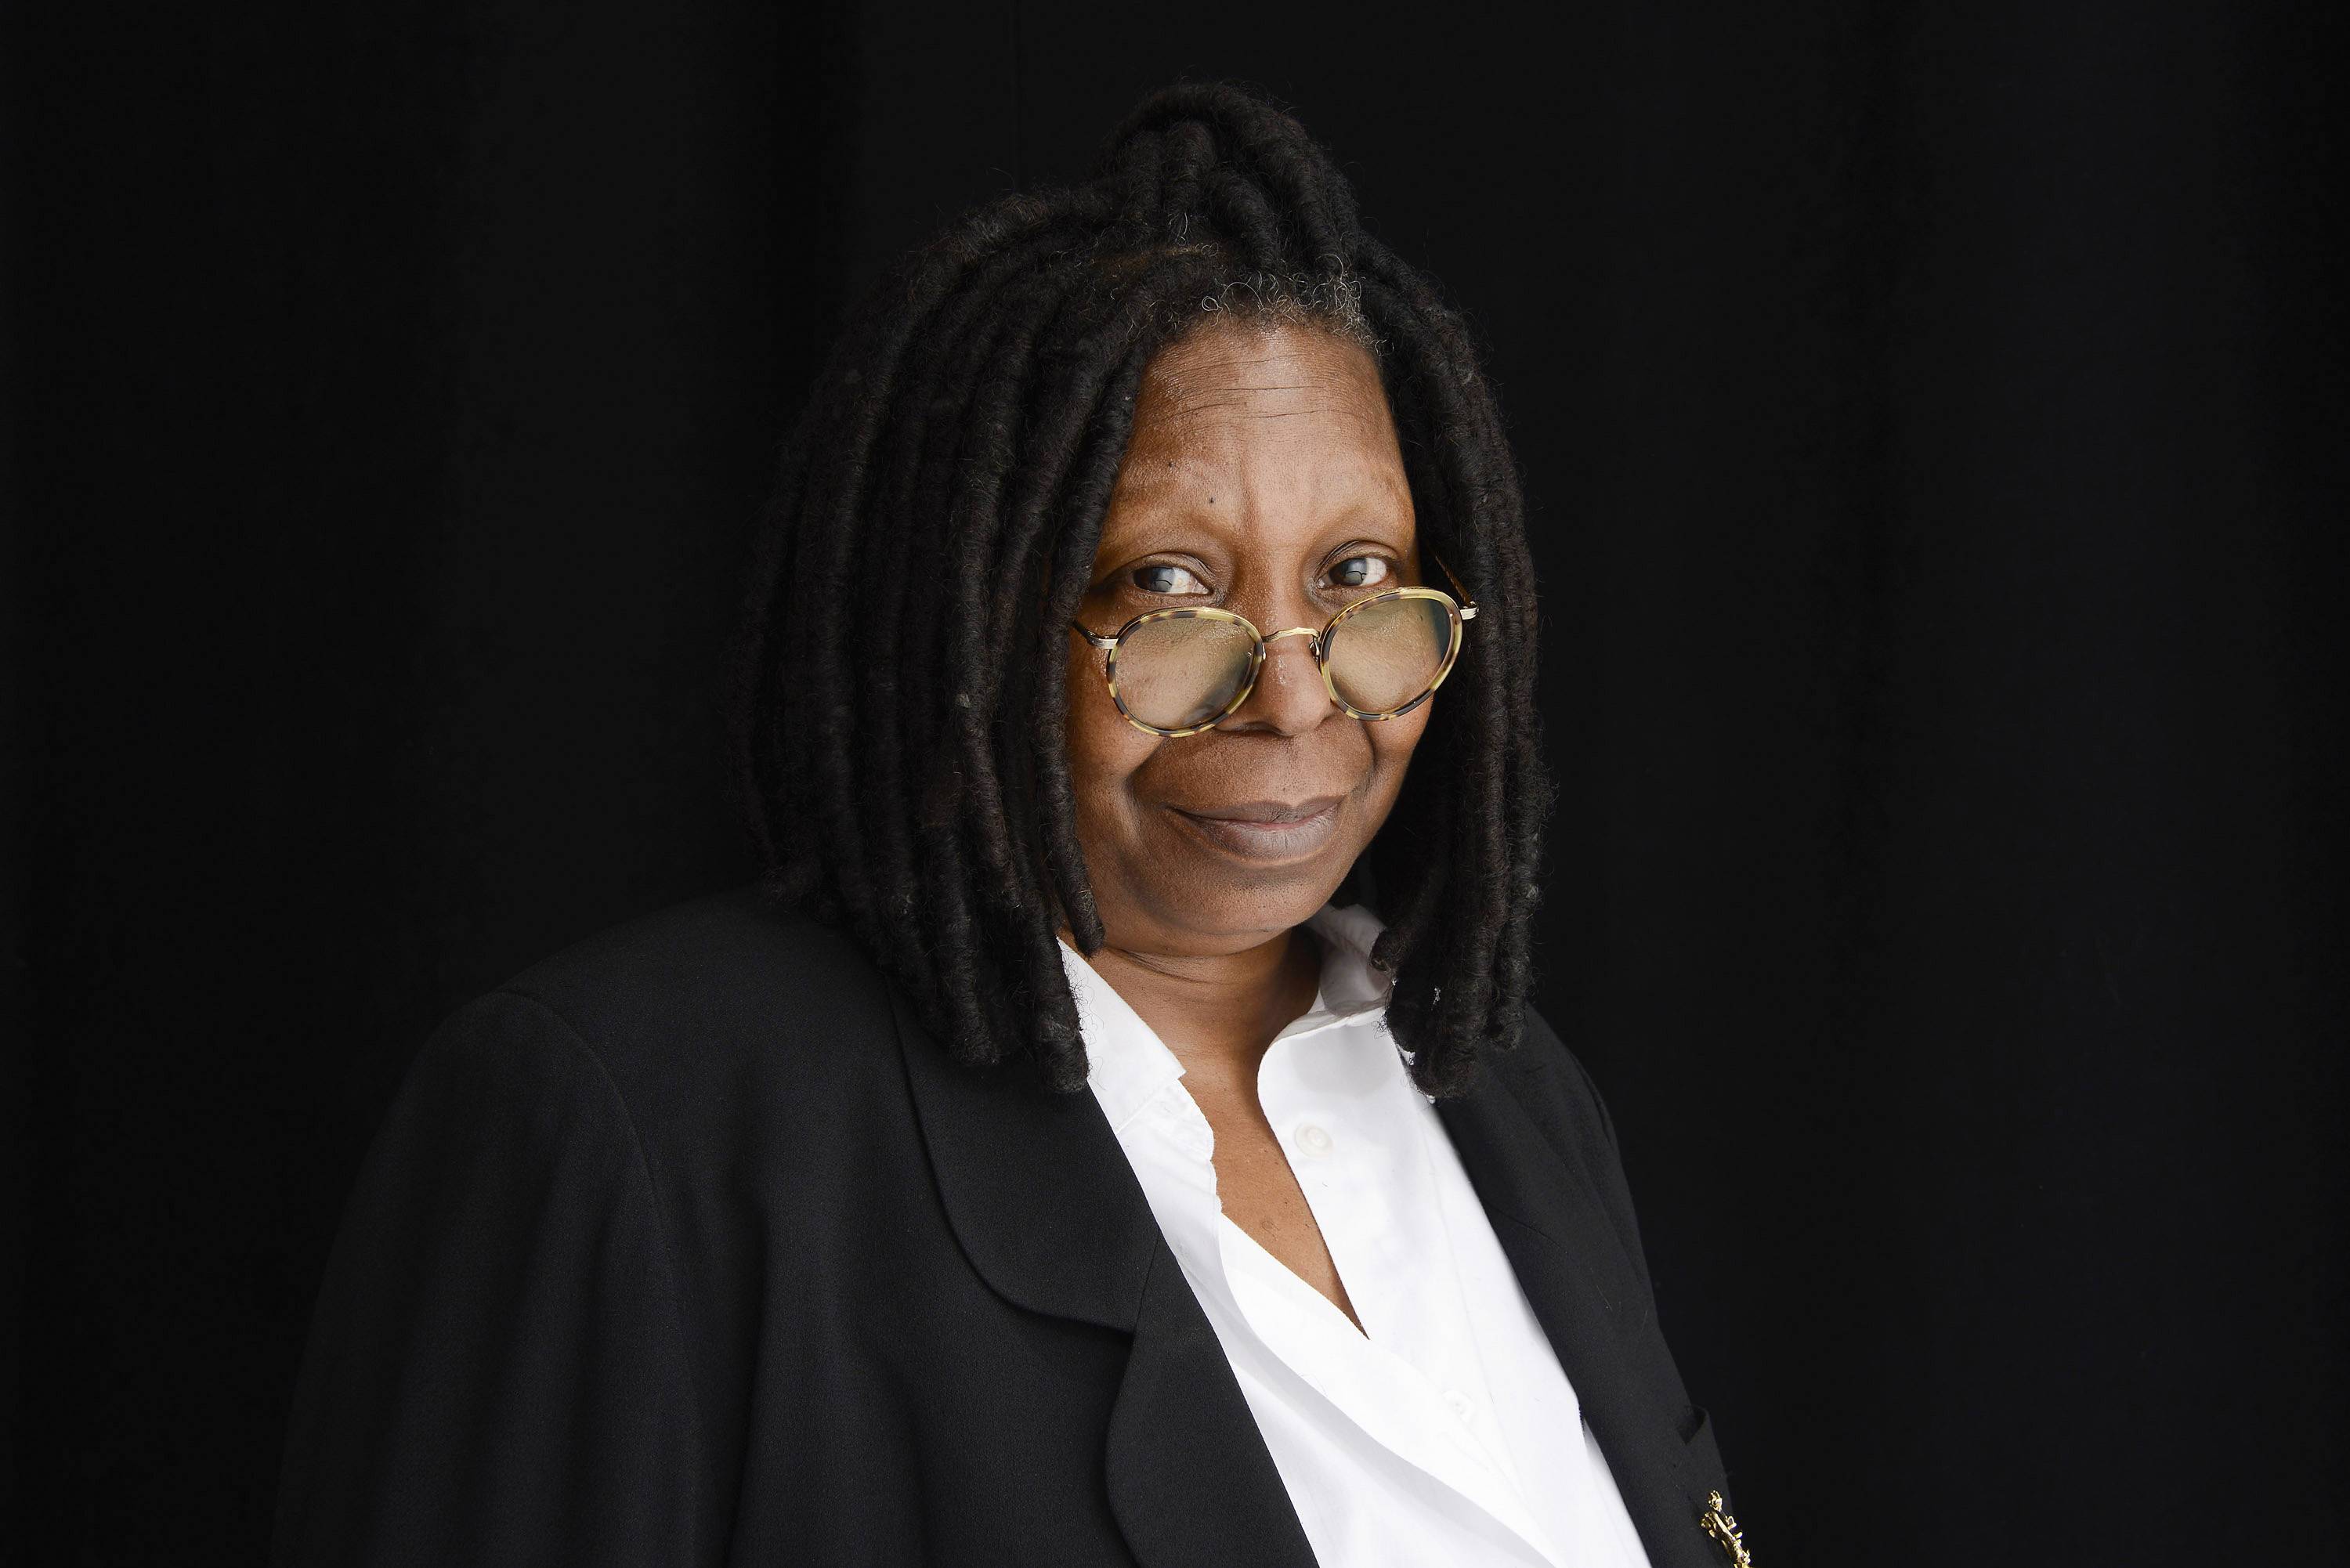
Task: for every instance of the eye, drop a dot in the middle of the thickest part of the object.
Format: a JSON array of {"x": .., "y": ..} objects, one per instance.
[
  {"x": 1165, "y": 577},
  {"x": 1363, "y": 572}
]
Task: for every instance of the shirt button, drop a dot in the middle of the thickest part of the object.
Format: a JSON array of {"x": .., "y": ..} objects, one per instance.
[
  {"x": 1312, "y": 1139},
  {"x": 1458, "y": 1403}
]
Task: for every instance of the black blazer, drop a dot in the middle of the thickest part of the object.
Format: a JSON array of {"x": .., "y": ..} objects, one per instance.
[{"x": 690, "y": 1246}]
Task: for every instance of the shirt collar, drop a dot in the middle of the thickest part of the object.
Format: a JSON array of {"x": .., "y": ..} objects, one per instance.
[{"x": 1126, "y": 1064}]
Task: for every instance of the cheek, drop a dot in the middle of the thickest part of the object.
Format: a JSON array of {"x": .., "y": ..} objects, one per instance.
[
  {"x": 1104, "y": 750},
  {"x": 1394, "y": 741}
]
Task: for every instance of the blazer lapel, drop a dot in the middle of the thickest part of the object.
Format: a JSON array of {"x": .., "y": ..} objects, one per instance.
[
  {"x": 1586, "y": 1291},
  {"x": 1046, "y": 1206},
  {"x": 1189, "y": 1476}
]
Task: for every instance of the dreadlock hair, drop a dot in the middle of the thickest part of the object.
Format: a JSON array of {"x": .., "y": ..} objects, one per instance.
[{"x": 899, "y": 689}]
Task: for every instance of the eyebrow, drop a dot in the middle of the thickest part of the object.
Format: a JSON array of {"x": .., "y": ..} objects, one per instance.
[
  {"x": 1370, "y": 493},
  {"x": 1396, "y": 530}
]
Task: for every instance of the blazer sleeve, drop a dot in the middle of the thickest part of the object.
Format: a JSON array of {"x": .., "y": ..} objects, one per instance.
[{"x": 497, "y": 1372}]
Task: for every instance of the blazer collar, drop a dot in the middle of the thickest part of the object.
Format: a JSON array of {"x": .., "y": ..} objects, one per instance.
[{"x": 1043, "y": 1201}]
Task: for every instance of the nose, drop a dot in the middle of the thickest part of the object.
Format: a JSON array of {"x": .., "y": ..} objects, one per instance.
[{"x": 1289, "y": 698}]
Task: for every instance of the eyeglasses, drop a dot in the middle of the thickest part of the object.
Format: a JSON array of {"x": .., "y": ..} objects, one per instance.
[{"x": 1178, "y": 671}]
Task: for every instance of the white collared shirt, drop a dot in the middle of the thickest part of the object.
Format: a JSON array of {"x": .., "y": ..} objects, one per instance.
[{"x": 1444, "y": 1432}]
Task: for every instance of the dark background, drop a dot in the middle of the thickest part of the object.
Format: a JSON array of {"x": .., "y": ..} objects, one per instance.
[{"x": 1933, "y": 423}]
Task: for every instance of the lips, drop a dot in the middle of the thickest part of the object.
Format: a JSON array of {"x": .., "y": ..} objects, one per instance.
[
  {"x": 1266, "y": 831},
  {"x": 1265, "y": 811}
]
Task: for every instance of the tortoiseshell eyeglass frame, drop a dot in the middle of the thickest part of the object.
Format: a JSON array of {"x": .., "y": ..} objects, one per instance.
[{"x": 1457, "y": 613}]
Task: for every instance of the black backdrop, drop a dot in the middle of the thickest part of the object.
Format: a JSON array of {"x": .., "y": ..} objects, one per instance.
[{"x": 1933, "y": 422}]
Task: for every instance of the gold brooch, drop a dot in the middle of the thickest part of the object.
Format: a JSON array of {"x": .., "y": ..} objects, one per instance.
[{"x": 1724, "y": 1530}]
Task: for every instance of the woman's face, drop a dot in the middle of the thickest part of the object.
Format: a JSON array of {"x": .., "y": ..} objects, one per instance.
[{"x": 1262, "y": 476}]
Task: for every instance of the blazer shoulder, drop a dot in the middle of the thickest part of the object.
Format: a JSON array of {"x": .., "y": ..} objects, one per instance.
[
  {"x": 727, "y": 939},
  {"x": 717, "y": 990},
  {"x": 1554, "y": 1078},
  {"x": 1563, "y": 1098}
]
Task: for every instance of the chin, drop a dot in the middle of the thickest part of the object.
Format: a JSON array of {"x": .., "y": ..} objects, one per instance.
[{"x": 1245, "y": 905}]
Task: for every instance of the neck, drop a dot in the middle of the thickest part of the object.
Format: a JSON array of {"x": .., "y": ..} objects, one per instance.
[{"x": 1218, "y": 1013}]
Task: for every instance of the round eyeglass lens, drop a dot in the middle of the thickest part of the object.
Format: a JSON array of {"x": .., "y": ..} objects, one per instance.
[
  {"x": 1183, "y": 671},
  {"x": 1385, "y": 654}
]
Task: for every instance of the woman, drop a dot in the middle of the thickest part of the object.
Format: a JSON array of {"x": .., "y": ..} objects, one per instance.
[{"x": 1113, "y": 1129}]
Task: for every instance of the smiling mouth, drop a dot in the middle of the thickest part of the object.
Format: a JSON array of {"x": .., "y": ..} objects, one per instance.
[{"x": 1267, "y": 831}]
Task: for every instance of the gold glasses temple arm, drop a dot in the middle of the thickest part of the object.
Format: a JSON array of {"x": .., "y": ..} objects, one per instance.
[
  {"x": 1468, "y": 605},
  {"x": 1105, "y": 643}
]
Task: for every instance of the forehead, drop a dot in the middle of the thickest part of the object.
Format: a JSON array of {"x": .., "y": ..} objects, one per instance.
[
  {"x": 1269, "y": 369},
  {"x": 1265, "y": 419}
]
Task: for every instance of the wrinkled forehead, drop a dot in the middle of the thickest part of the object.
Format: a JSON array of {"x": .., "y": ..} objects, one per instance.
[
  {"x": 1239, "y": 368},
  {"x": 1238, "y": 425}
]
